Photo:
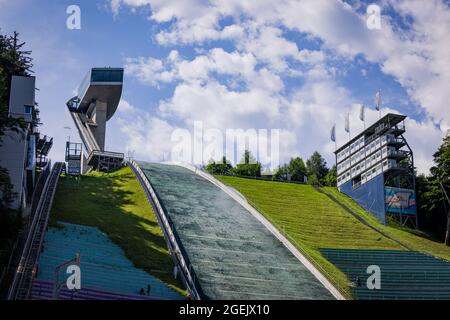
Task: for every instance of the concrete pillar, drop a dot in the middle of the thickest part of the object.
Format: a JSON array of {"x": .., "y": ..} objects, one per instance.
[{"x": 99, "y": 117}]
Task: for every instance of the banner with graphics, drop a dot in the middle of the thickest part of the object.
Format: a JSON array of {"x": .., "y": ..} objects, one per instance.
[{"x": 400, "y": 201}]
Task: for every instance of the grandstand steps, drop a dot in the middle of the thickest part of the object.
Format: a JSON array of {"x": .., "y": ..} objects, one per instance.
[
  {"x": 105, "y": 271},
  {"x": 403, "y": 274},
  {"x": 43, "y": 290}
]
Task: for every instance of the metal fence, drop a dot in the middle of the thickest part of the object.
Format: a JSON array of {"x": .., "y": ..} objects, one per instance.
[
  {"x": 170, "y": 234},
  {"x": 23, "y": 278}
]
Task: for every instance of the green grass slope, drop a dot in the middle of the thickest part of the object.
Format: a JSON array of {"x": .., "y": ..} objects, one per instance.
[
  {"x": 413, "y": 239},
  {"x": 311, "y": 221},
  {"x": 115, "y": 203}
]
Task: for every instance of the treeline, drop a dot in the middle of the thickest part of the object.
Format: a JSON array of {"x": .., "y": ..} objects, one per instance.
[
  {"x": 315, "y": 171},
  {"x": 433, "y": 193},
  {"x": 248, "y": 166}
]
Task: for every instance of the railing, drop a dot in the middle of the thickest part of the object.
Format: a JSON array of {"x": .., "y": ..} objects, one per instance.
[
  {"x": 260, "y": 178},
  {"x": 397, "y": 153},
  {"x": 39, "y": 187},
  {"x": 110, "y": 154},
  {"x": 85, "y": 133},
  {"x": 172, "y": 238},
  {"x": 23, "y": 279}
]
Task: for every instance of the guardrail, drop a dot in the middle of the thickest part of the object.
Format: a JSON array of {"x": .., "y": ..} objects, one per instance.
[
  {"x": 110, "y": 154},
  {"x": 85, "y": 133},
  {"x": 23, "y": 279},
  {"x": 172, "y": 238},
  {"x": 260, "y": 178},
  {"x": 39, "y": 186}
]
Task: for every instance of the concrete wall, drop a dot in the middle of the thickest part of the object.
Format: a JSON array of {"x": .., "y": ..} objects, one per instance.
[
  {"x": 13, "y": 151},
  {"x": 22, "y": 94}
]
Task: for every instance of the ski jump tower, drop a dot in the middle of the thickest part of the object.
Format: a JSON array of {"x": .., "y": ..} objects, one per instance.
[{"x": 96, "y": 102}]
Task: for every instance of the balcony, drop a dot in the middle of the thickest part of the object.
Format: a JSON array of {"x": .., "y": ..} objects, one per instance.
[
  {"x": 397, "y": 154},
  {"x": 398, "y": 129},
  {"x": 396, "y": 142}
]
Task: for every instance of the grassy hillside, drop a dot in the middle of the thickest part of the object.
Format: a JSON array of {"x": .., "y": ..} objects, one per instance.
[
  {"x": 115, "y": 203},
  {"x": 414, "y": 239},
  {"x": 311, "y": 221}
]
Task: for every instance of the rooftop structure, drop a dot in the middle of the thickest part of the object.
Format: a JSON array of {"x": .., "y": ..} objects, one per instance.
[
  {"x": 96, "y": 102},
  {"x": 376, "y": 168}
]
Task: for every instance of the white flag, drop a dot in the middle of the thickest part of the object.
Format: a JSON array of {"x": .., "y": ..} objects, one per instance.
[
  {"x": 362, "y": 113},
  {"x": 333, "y": 133},
  {"x": 378, "y": 100},
  {"x": 347, "y": 123}
]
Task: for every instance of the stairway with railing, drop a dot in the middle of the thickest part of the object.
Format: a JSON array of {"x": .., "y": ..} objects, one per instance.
[
  {"x": 23, "y": 279},
  {"x": 85, "y": 133}
]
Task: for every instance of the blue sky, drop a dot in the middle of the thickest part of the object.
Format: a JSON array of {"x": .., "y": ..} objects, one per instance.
[{"x": 297, "y": 66}]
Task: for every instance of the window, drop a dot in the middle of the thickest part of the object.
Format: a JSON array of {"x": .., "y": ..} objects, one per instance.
[{"x": 28, "y": 109}]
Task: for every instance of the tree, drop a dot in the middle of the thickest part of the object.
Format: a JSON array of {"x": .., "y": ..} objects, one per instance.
[
  {"x": 297, "y": 169},
  {"x": 330, "y": 179},
  {"x": 439, "y": 188},
  {"x": 13, "y": 61},
  {"x": 281, "y": 173},
  {"x": 222, "y": 168},
  {"x": 248, "y": 166},
  {"x": 316, "y": 166}
]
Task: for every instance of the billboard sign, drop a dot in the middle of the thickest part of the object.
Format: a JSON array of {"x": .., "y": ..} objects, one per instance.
[{"x": 400, "y": 201}]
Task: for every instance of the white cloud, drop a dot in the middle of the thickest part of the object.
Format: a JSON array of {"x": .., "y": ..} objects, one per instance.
[
  {"x": 418, "y": 57},
  {"x": 147, "y": 136}
]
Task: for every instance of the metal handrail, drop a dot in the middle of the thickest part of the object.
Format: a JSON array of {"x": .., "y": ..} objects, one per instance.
[
  {"x": 85, "y": 133},
  {"x": 106, "y": 154},
  {"x": 26, "y": 253},
  {"x": 188, "y": 277}
]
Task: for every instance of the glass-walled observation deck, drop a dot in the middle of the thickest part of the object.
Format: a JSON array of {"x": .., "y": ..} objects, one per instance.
[{"x": 100, "y": 76}]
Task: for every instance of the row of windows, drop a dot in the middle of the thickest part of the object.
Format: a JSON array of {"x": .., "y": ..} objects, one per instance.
[
  {"x": 369, "y": 148},
  {"x": 354, "y": 147},
  {"x": 369, "y": 162},
  {"x": 369, "y": 174},
  {"x": 365, "y": 152},
  {"x": 359, "y": 157}
]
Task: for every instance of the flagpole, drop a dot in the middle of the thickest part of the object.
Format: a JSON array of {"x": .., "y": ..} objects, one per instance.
[{"x": 378, "y": 102}]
